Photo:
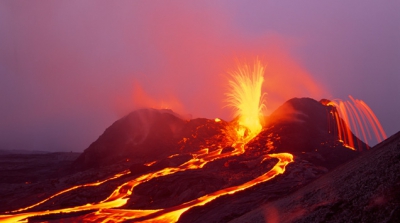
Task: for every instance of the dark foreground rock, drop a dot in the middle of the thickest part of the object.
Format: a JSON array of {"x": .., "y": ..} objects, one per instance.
[
  {"x": 229, "y": 207},
  {"x": 364, "y": 190}
]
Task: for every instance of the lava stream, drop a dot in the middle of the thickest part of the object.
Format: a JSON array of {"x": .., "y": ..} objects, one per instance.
[
  {"x": 120, "y": 196},
  {"x": 246, "y": 97},
  {"x": 173, "y": 214},
  {"x": 355, "y": 116},
  {"x": 118, "y": 175}
]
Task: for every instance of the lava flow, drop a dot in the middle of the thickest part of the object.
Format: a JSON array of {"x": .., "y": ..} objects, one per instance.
[
  {"x": 126, "y": 172},
  {"x": 173, "y": 214},
  {"x": 120, "y": 196},
  {"x": 246, "y": 97},
  {"x": 355, "y": 116}
]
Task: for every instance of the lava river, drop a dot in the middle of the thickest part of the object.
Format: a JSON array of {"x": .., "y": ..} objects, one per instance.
[
  {"x": 105, "y": 209},
  {"x": 246, "y": 98}
]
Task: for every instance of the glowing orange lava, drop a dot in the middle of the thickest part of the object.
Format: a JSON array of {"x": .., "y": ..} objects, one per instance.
[
  {"x": 172, "y": 214},
  {"x": 73, "y": 188},
  {"x": 120, "y": 196},
  {"x": 355, "y": 116},
  {"x": 246, "y": 98}
]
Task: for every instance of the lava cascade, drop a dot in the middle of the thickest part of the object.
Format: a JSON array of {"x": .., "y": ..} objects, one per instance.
[{"x": 355, "y": 116}]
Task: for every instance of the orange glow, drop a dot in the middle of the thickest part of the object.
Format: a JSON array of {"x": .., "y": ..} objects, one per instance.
[
  {"x": 150, "y": 163},
  {"x": 121, "y": 194},
  {"x": 373, "y": 120},
  {"x": 246, "y": 98},
  {"x": 279, "y": 168},
  {"x": 141, "y": 99},
  {"x": 21, "y": 216},
  {"x": 173, "y": 214},
  {"x": 286, "y": 78},
  {"x": 357, "y": 117},
  {"x": 73, "y": 188}
]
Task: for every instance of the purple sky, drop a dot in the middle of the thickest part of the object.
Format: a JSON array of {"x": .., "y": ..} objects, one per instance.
[{"x": 69, "y": 69}]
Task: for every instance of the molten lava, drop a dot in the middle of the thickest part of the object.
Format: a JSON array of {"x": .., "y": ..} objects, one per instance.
[
  {"x": 246, "y": 98},
  {"x": 355, "y": 116},
  {"x": 120, "y": 196}
]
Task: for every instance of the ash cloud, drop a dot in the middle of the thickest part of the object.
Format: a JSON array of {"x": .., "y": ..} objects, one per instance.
[{"x": 71, "y": 68}]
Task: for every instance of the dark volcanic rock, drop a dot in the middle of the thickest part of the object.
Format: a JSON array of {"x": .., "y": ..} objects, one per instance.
[
  {"x": 229, "y": 207},
  {"x": 364, "y": 190},
  {"x": 174, "y": 161},
  {"x": 147, "y": 135},
  {"x": 304, "y": 127},
  {"x": 301, "y": 127},
  {"x": 175, "y": 189},
  {"x": 32, "y": 168},
  {"x": 142, "y": 133},
  {"x": 181, "y": 187},
  {"x": 150, "y": 140}
]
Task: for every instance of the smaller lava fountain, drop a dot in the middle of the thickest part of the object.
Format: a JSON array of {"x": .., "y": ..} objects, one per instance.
[{"x": 357, "y": 117}]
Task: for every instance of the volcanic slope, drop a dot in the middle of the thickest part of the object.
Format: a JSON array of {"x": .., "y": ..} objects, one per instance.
[
  {"x": 363, "y": 190},
  {"x": 301, "y": 126},
  {"x": 147, "y": 135},
  {"x": 304, "y": 127}
]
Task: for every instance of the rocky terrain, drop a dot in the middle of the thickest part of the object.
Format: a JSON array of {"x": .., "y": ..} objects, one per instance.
[
  {"x": 148, "y": 141},
  {"x": 363, "y": 190},
  {"x": 148, "y": 134},
  {"x": 31, "y": 168}
]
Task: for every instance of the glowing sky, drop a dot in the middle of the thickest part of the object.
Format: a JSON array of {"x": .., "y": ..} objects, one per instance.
[{"x": 69, "y": 69}]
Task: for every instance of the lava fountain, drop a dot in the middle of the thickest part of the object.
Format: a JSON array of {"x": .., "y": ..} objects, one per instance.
[
  {"x": 246, "y": 98},
  {"x": 355, "y": 116}
]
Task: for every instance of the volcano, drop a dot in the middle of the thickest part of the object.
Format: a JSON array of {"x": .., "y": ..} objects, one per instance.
[
  {"x": 301, "y": 125},
  {"x": 149, "y": 134},
  {"x": 156, "y": 166}
]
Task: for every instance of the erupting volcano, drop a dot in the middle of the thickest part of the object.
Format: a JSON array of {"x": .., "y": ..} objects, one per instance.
[{"x": 155, "y": 166}]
